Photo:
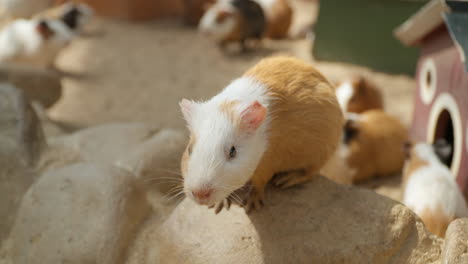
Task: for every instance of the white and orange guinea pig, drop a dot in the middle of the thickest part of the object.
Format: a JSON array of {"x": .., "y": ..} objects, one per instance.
[
  {"x": 358, "y": 94},
  {"x": 280, "y": 117},
  {"x": 430, "y": 189},
  {"x": 371, "y": 147},
  {"x": 35, "y": 42}
]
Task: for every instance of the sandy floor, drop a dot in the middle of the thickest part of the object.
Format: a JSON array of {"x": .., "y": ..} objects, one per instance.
[{"x": 139, "y": 72}]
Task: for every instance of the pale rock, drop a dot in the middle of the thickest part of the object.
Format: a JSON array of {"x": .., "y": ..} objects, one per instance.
[
  {"x": 456, "y": 242},
  {"x": 82, "y": 213},
  {"x": 41, "y": 85},
  {"x": 322, "y": 222},
  {"x": 21, "y": 144}
]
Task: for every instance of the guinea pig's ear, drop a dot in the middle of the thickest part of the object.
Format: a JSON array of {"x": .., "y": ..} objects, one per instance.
[
  {"x": 252, "y": 117},
  {"x": 222, "y": 16},
  {"x": 44, "y": 29},
  {"x": 350, "y": 130},
  {"x": 188, "y": 109}
]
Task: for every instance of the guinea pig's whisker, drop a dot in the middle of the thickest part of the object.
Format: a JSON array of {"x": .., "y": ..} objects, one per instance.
[
  {"x": 169, "y": 171},
  {"x": 176, "y": 195},
  {"x": 164, "y": 178},
  {"x": 176, "y": 189}
]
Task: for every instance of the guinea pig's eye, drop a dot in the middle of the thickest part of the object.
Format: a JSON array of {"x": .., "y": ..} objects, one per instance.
[
  {"x": 189, "y": 149},
  {"x": 232, "y": 152}
]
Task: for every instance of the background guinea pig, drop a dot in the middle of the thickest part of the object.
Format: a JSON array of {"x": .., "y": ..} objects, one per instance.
[
  {"x": 358, "y": 94},
  {"x": 73, "y": 15},
  {"x": 279, "y": 16},
  {"x": 371, "y": 145},
  {"x": 234, "y": 21},
  {"x": 430, "y": 189},
  {"x": 33, "y": 42}
]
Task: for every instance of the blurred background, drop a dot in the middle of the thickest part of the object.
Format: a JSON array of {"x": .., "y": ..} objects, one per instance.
[{"x": 80, "y": 65}]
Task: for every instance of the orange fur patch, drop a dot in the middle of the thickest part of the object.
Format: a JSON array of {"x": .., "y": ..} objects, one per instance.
[
  {"x": 306, "y": 120},
  {"x": 366, "y": 96},
  {"x": 414, "y": 163},
  {"x": 436, "y": 221},
  {"x": 229, "y": 108},
  {"x": 279, "y": 20},
  {"x": 377, "y": 149}
]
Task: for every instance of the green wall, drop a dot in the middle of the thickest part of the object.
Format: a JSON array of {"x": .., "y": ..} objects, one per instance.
[{"x": 361, "y": 32}]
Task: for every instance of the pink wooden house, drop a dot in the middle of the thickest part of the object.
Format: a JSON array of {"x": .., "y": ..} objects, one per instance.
[{"x": 440, "y": 30}]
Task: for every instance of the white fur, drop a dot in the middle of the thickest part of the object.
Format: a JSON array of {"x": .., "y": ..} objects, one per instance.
[
  {"x": 23, "y": 8},
  {"x": 266, "y": 4},
  {"x": 209, "y": 26},
  {"x": 21, "y": 43},
  {"x": 433, "y": 185},
  {"x": 337, "y": 168},
  {"x": 208, "y": 166},
  {"x": 344, "y": 92}
]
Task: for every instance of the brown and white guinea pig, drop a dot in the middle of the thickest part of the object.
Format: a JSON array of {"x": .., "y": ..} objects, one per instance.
[
  {"x": 234, "y": 21},
  {"x": 430, "y": 189},
  {"x": 279, "y": 16},
  {"x": 35, "y": 42},
  {"x": 73, "y": 15},
  {"x": 194, "y": 10},
  {"x": 358, "y": 94},
  {"x": 23, "y": 8},
  {"x": 371, "y": 145},
  {"x": 280, "y": 116}
]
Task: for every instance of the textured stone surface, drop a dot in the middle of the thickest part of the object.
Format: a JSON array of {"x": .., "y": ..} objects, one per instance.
[
  {"x": 320, "y": 223},
  {"x": 96, "y": 188},
  {"x": 38, "y": 84},
  {"x": 456, "y": 242},
  {"x": 21, "y": 142},
  {"x": 82, "y": 213}
]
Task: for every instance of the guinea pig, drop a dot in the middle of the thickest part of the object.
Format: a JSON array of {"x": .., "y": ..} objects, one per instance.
[
  {"x": 23, "y": 8},
  {"x": 34, "y": 42},
  {"x": 279, "y": 16},
  {"x": 371, "y": 145},
  {"x": 281, "y": 116},
  {"x": 73, "y": 15},
  {"x": 430, "y": 189},
  {"x": 194, "y": 10},
  {"x": 358, "y": 94},
  {"x": 234, "y": 21}
]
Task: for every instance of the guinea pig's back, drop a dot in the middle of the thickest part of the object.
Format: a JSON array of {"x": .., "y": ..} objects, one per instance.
[
  {"x": 305, "y": 116},
  {"x": 388, "y": 135}
]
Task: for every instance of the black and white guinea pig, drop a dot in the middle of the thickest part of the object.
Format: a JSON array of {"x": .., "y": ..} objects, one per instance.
[
  {"x": 234, "y": 21},
  {"x": 35, "y": 42},
  {"x": 73, "y": 15}
]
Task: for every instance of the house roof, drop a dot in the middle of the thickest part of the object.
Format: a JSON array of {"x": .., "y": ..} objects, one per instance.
[
  {"x": 454, "y": 13},
  {"x": 428, "y": 18}
]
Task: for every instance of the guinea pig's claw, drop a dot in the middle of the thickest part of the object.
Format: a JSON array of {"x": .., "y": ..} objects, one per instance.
[
  {"x": 253, "y": 201},
  {"x": 226, "y": 203}
]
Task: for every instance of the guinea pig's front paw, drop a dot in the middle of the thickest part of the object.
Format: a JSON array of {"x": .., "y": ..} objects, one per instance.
[
  {"x": 254, "y": 200},
  {"x": 226, "y": 203}
]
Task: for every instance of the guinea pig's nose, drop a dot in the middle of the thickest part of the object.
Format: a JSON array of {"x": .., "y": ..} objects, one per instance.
[{"x": 202, "y": 194}]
